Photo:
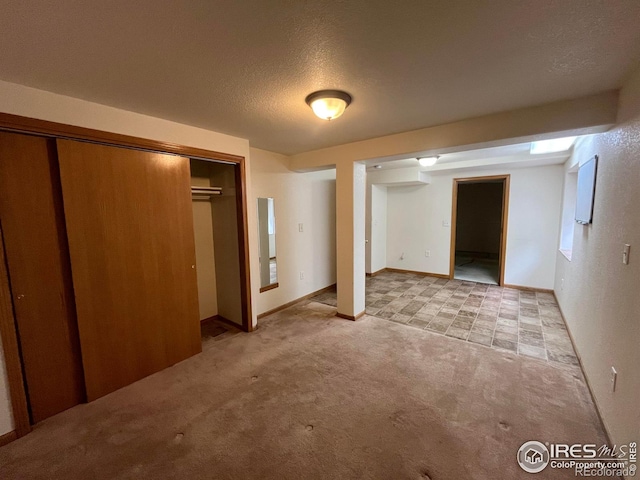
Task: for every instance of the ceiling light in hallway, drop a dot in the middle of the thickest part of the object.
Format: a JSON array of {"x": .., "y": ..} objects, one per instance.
[
  {"x": 428, "y": 161},
  {"x": 328, "y": 104}
]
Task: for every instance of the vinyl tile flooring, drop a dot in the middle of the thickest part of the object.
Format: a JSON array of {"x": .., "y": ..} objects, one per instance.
[{"x": 523, "y": 322}]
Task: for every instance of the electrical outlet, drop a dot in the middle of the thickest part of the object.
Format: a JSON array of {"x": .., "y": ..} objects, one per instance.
[
  {"x": 625, "y": 254},
  {"x": 427, "y": 253},
  {"x": 300, "y": 227},
  {"x": 301, "y": 275},
  {"x": 614, "y": 379}
]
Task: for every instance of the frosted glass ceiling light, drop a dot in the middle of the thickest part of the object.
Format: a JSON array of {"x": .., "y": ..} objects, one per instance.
[
  {"x": 550, "y": 146},
  {"x": 328, "y": 104},
  {"x": 428, "y": 161}
]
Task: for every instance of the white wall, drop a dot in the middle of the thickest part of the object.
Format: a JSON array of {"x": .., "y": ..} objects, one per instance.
[
  {"x": 415, "y": 217},
  {"x": 599, "y": 297},
  {"x": 376, "y": 228},
  {"x": 29, "y": 102},
  {"x": 307, "y": 198}
]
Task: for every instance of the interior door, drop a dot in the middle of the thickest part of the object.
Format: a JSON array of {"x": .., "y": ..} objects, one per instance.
[
  {"x": 33, "y": 230},
  {"x": 129, "y": 223}
]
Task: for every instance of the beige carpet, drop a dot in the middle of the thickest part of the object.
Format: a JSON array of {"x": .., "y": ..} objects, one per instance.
[{"x": 311, "y": 396}]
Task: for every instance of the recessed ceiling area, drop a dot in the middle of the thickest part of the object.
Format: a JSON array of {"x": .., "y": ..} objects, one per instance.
[
  {"x": 245, "y": 68},
  {"x": 517, "y": 155}
]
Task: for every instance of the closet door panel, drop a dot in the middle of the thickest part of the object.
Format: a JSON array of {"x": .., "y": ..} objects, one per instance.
[
  {"x": 129, "y": 223},
  {"x": 33, "y": 228}
]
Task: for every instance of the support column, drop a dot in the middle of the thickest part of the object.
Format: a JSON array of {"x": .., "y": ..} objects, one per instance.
[{"x": 350, "y": 238}]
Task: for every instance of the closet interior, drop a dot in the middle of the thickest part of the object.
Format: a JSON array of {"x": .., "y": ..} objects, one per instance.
[
  {"x": 110, "y": 257},
  {"x": 215, "y": 225}
]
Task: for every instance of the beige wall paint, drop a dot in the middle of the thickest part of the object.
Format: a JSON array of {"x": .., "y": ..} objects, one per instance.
[
  {"x": 599, "y": 295},
  {"x": 351, "y": 186},
  {"x": 307, "y": 198},
  {"x": 415, "y": 217},
  {"x": 29, "y": 102}
]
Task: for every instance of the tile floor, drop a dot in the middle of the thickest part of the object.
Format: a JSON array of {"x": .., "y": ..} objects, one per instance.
[{"x": 523, "y": 322}]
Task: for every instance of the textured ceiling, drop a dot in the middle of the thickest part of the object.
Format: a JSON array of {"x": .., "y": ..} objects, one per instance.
[{"x": 244, "y": 67}]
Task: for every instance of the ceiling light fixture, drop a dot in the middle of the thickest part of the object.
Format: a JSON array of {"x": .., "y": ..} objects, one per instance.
[
  {"x": 553, "y": 145},
  {"x": 377, "y": 166},
  {"x": 328, "y": 104},
  {"x": 428, "y": 161}
]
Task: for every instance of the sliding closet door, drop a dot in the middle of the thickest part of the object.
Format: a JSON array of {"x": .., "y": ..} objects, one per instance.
[
  {"x": 33, "y": 228},
  {"x": 130, "y": 230}
]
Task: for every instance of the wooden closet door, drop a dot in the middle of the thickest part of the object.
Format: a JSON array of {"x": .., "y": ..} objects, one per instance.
[
  {"x": 130, "y": 230},
  {"x": 33, "y": 228}
]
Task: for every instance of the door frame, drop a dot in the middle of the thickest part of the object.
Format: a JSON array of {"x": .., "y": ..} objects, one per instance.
[
  {"x": 33, "y": 126},
  {"x": 506, "y": 179}
]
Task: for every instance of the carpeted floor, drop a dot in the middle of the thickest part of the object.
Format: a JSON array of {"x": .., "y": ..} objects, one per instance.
[{"x": 311, "y": 396}]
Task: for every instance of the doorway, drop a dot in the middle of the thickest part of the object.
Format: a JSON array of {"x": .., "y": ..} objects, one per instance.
[
  {"x": 478, "y": 229},
  {"x": 218, "y": 253}
]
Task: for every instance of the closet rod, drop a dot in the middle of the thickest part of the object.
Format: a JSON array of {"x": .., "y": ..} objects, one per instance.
[{"x": 206, "y": 190}]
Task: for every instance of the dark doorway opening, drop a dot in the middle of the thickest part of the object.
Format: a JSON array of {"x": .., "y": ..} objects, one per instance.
[{"x": 479, "y": 229}]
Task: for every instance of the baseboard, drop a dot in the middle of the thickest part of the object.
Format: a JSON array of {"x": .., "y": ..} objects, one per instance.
[
  {"x": 584, "y": 373},
  {"x": 350, "y": 317},
  {"x": 293, "y": 302},
  {"x": 269, "y": 287},
  {"x": 378, "y": 272},
  {"x": 529, "y": 289},
  {"x": 426, "y": 274},
  {"x": 8, "y": 438}
]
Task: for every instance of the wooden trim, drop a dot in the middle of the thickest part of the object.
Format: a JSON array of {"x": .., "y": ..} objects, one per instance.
[
  {"x": 584, "y": 373},
  {"x": 415, "y": 272},
  {"x": 243, "y": 245},
  {"x": 293, "y": 302},
  {"x": 350, "y": 317},
  {"x": 506, "y": 178},
  {"x": 505, "y": 223},
  {"x": 373, "y": 274},
  {"x": 454, "y": 219},
  {"x": 528, "y": 289},
  {"x": 13, "y": 361},
  {"x": 18, "y": 123},
  {"x": 269, "y": 287},
  {"x": 8, "y": 438}
]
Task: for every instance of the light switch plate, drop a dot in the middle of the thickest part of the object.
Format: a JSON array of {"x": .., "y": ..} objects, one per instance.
[
  {"x": 614, "y": 379},
  {"x": 625, "y": 254}
]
